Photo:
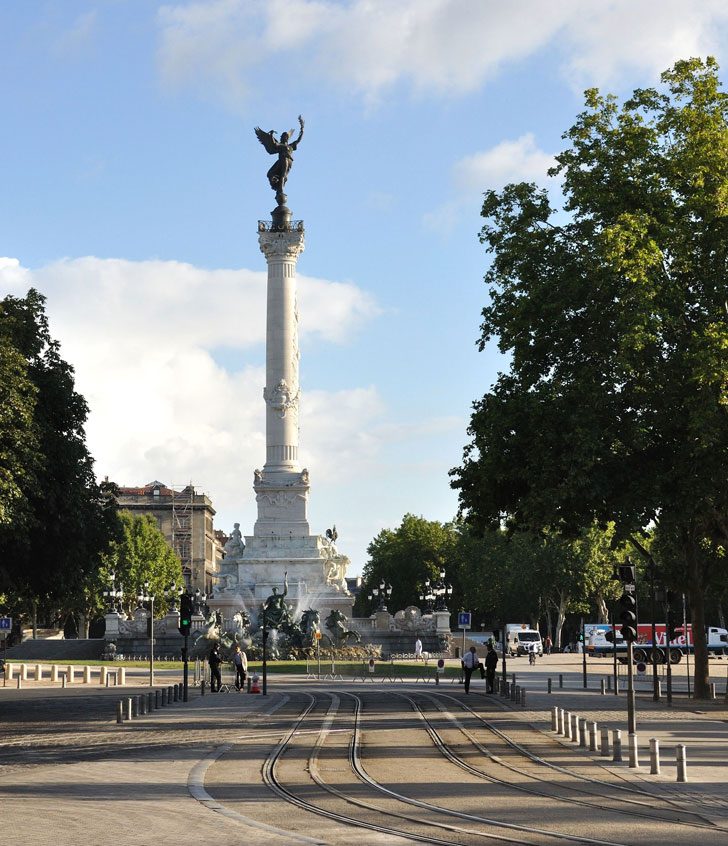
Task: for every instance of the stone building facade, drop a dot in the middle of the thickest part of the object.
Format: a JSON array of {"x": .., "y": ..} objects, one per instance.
[{"x": 185, "y": 518}]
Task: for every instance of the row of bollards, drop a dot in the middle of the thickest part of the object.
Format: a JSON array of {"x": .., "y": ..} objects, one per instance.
[
  {"x": 66, "y": 676},
  {"x": 578, "y": 730},
  {"x": 510, "y": 690},
  {"x": 145, "y": 703}
]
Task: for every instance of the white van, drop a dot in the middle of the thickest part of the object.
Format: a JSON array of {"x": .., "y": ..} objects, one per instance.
[{"x": 519, "y": 637}]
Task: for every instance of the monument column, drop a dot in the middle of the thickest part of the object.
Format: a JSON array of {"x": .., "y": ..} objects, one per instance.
[{"x": 281, "y": 487}]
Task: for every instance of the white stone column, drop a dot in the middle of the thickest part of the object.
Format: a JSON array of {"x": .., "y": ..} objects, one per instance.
[{"x": 282, "y": 487}]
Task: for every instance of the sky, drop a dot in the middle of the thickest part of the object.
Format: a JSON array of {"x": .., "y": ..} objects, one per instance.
[{"x": 132, "y": 183}]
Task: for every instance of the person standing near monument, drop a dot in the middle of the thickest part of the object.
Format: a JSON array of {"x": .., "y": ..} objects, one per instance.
[
  {"x": 214, "y": 660},
  {"x": 240, "y": 660},
  {"x": 418, "y": 649},
  {"x": 491, "y": 662},
  {"x": 470, "y": 664}
]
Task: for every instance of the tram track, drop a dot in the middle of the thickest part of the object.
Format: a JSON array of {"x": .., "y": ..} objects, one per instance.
[
  {"x": 630, "y": 802},
  {"x": 501, "y": 832}
]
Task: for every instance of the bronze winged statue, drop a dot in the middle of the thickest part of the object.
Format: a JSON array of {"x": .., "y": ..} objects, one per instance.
[{"x": 283, "y": 148}]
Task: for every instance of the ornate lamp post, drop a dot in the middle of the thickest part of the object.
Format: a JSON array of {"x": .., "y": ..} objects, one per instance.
[
  {"x": 114, "y": 596},
  {"x": 143, "y": 596},
  {"x": 385, "y": 592},
  {"x": 427, "y": 597},
  {"x": 443, "y": 592}
]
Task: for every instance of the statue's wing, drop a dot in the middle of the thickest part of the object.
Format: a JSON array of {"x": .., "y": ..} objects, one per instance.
[{"x": 266, "y": 139}]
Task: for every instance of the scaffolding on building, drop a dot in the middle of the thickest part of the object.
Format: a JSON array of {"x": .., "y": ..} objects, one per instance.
[{"x": 182, "y": 527}]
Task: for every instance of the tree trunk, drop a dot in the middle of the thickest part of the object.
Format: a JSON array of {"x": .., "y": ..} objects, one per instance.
[
  {"x": 560, "y": 618},
  {"x": 602, "y": 610},
  {"x": 697, "y": 609}
]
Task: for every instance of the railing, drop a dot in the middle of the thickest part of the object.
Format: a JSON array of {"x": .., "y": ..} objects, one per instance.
[{"x": 272, "y": 226}]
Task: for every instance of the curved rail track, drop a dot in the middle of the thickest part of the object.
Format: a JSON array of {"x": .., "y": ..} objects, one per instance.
[{"x": 331, "y": 733}]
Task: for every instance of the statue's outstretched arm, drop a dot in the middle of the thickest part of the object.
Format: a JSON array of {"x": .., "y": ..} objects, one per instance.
[{"x": 300, "y": 134}]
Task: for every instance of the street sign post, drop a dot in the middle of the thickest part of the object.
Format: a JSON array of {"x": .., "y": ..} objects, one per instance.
[{"x": 463, "y": 623}]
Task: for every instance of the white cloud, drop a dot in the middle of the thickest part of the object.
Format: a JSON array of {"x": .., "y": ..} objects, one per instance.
[
  {"x": 442, "y": 46},
  {"x": 510, "y": 161},
  {"x": 77, "y": 36},
  {"x": 141, "y": 337}
]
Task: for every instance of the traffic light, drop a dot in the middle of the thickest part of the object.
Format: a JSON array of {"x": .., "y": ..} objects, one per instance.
[
  {"x": 628, "y": 616},
  {"x": 627, "y": 572},
  {"x": 185, "y": 614},
  {"x": 672, "y": 623}
]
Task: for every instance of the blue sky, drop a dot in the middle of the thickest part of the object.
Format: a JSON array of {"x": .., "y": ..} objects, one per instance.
[{"x": 133, "y": 182}]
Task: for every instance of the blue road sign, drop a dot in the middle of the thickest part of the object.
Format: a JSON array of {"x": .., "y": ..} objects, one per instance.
[
  {"x": 463, "y": 619},
  {"x": 6, "y": 623}
]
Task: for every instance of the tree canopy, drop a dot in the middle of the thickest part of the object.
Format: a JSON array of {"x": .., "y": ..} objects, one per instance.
[
  {"x": 55, "y": 520},
  {"x": 613, "y": 311}
]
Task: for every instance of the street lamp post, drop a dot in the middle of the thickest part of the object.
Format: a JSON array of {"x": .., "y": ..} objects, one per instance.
[
  {"x": 144, "y": 595},
  {"x": 385, "y": 592},
  {"x": 114, "y": 596}
]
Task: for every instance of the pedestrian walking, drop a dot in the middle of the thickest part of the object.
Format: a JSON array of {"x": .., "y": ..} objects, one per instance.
[
  {"x": 214, "y": 660},
  {"x": 418, "y": 650},
  {"x": 547, "y": 644},
  {"x": 240, "y": 661},
  {"x": 470, "y": 664},
  {"x": 491, "y": 662}
]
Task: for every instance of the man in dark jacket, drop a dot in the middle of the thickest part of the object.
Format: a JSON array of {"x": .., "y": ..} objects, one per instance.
[
  {"x": 215, "y": 660},
  {"x": 491, "y": 662}
]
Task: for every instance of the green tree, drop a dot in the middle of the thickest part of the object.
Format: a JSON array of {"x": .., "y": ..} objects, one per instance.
[
  {"x": 613, "y": 311},
  {"x": 405, "y": 557},
  {"x": 20, "y": 459},
  {"x": 62, "y": 520},
  {"x": 140, "y": 554}
]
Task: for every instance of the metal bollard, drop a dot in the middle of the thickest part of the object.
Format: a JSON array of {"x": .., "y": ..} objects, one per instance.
[
  {"x": 659, "y": 688},
  {"x": 554, "y": 719},
  {"x": 20, "y": 682},
  {"x": 515, "y": 692},
  {"x": 609, "y": 683},
  {"x": 54, "y": 673},
  {"x": 567, "y": 725},
  {"x": 561, "y": 730},
  {"x": 24, "y": 672},
  {"x": 592, "y": 737},
  {"x": 682, "y": 762},
  {"x": 119, "y": 709},
  {"x": 150, "y": 702},
  {"x": 121, "y": 676},
  {"x": 128, "y": 708},
  {"x": 175, "y": 691},
  {"x": 163, "y": 693},
  {"x": 108, "y": 679},
  {"x": 654, "y": 756},
  {"x": 39, "y": 673},
  {"x": 523, "y": 697},
  {"x": 617, "y": 745},
  {"x": 157, "y": 700},
  {"x": 582, "y": 732},
  {"x": 70, "y": 674},
  {"x": 616, "y": 685},
  {"x": 561, "y": 680},
  {"x": 134, "y": 706},
  {"x": 202, "y": 687},
  {"x": 142, "y": 704},
  {"x": 603, "y": 687},
  {"x": 103, "y": 676},
  {"x": 575, "y": 728},
  {"x": 634, "y": 760},
  {"x": 87, "y": 675},
  {"x": 712, "y": 690},
  {"x": 548, "y": 684},
  {"x": 605, "y": 742},
  {"x": 513, "y": 678},
  {"x": 170, "y": 695},
  {"x": 63, "y": 682}
]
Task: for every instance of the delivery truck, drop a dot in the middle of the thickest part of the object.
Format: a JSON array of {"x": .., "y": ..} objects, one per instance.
[{"x": 597, "y": 644}]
